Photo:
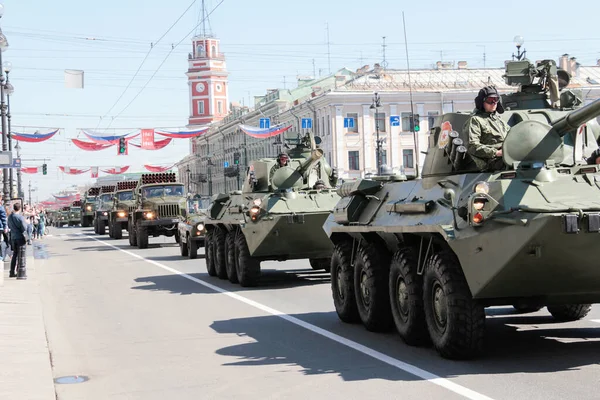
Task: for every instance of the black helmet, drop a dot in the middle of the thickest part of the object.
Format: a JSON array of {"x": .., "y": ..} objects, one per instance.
[{"x": 488, "y": 91}]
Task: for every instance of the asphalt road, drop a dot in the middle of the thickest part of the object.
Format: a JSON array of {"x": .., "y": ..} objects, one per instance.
[{"x": 149, "y": 324}]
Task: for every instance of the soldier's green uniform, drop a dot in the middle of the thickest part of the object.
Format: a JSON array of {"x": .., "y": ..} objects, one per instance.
[{"x": 486, "y": 133}]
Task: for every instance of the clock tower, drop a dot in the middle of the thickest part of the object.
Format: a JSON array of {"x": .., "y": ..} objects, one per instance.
[{"x": 207, "y": 81}]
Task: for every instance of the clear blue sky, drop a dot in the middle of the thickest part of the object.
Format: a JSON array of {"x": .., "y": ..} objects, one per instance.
[{"x": 264, "y": 41}]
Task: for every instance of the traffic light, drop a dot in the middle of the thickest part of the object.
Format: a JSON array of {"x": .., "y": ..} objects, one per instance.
[
  {"x": 236, "y": 158},
  {"x": 44, "y": 169},
  {"x": 122, "y": 146},
  {"x": 416, "y": 126}
]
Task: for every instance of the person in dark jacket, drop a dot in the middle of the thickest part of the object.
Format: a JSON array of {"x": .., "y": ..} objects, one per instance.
[
  {"x": 18, "y": 238},
  {"x": 3, "y": 227}
]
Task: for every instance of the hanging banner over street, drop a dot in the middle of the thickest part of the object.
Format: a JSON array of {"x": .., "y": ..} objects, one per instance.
[
  {"x": 90, "y": 146},
  {"x": 259, "y": 133},
  {"x": 159, "y": 144},
  {"x": 148, "y": 139},
  {"x": 158, "y": 168},
  {"x": 116, "y": 170},
  {"x": 73, "y": 171},
  {"x": 94, "y": 172}
]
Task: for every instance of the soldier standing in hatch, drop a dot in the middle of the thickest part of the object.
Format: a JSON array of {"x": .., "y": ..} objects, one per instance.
[
  {"x": 282, "y": 161},
  {"x": 486, "y": 130}
]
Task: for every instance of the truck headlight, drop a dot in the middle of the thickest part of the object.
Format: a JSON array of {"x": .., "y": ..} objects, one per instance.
[
  {"x": 121, "y": 214},
  {"x": 254, "y": 211},
  {"x": 89, "y": 208},
  {"x": 149, "y": 215},
  {"x": 481, "y": 187}
]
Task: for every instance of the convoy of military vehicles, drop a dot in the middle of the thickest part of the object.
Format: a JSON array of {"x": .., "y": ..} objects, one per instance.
[{"x": 424, "y": 255}]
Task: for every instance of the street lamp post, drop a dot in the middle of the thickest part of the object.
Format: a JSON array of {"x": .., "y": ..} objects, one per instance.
[
  {"x": 10, "y": 89},
  {"x": 3, "y": 47},
  {"x": 188, "y": 172},
  {"x": 376, "y": 105}
]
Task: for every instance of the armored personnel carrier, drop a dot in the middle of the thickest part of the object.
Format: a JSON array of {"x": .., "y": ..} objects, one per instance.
[
  {"x": 428, "y": 255},
  {"x": 123, "y": 205},
  {"x": 277, "y": 215},
  {"x": 104, "y": 205},
  {"x": 88, "y": 207},
  {"x": 159, "y": 200}
]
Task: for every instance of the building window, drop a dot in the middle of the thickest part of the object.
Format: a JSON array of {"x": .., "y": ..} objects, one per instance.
[
  {"x": 380, "y": 121},
  {"x": 353, "y": 160},
  {"x": 407, "y": 158},
  {"x": 354, "y": 117},
  {"x": 220, "y": 107},
  {"x": 383, "y": 156},
  {"x": 200, "y": 51},
  {"x": 406, "y": 125},
  {"x": 200, "y": 108},
  {"x": 432, "y": 118},
  {"x": 214, "y": 51}
]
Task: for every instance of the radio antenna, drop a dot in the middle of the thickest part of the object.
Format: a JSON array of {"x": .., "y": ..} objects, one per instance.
[{"x": 412, "y": 125}]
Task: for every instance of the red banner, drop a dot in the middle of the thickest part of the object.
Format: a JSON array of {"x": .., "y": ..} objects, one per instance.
[
  {"x": 94, "y": 172},
  {"x": 148, "y": 139},
  {"x": 29, "y": 170},
  {"x": 157, "y": 168},
  {"x": 116, "y": 171},
  {"x": 159, "y": 144},
  {"x": 90, "y": 146},
  {"x": 73, "y": 171}
]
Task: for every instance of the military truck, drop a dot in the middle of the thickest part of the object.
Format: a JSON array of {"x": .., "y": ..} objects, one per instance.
[
  {"x": 159, "y": 201},
  {"x": 103, "y": 207},
  {"x": 62, "y": 217},
  {"x": 428, "y": 255},
  {"x": 277, "y": 215},
  {"x": 191, "y": 227},
  {"x": 75, "y": 213},
  {"x": 88, "y": 210},
  {"x": 123, "y": 205}
]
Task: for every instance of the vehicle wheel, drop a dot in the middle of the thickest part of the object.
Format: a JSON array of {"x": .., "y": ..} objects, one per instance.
[
  {"x": 406, "y": 298},
  {"x": 231, "y": 258},
  {"x": 342, "y": 283},
  {"x": 192, "y": 248},
  {"x": 118, "y": 231},
  {"x": 142, "y": 237},
  {"x": 131, "y": 231},
  {"x": 219, "y": 252},
  {"x": 208, "y": 253},
  {"x": 371, "y": 273},
  {"x": 96, "y": 227},
  {"x": 569, "y": 312},
  {"x": 456, "y": 323},
  {"x": 110, "y": 230},
  {"x": 248, "y": 267},
  {"x": 183, "y": 249},
  {"x": 320, "y": 263},
  {"x": 101, "y": 228},
  {"x": 177, "y": 238},
  {"x": 524, "y": 308}
]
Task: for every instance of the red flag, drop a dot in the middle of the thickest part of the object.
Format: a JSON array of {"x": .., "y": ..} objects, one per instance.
[
  {"x": 94, "y": 172},
  {"x": 148, "y": 139},
  {"x": 29, "y": 170}
]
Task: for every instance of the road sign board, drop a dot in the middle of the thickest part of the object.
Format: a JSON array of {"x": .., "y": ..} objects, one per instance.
[
  {"x": 265, "y": 123},
  {"x": 306, "y": 123},
  {"x": 348, "y": 122},
  {"x": 16, "y": 163},
  {"x": 5, "y": 159},
  {"x": 394, "y": 120},
  {"x": 226, "y": 164}
]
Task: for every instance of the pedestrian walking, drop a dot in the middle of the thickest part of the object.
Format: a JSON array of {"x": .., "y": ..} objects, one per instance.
[{"x": 18, "y": 237}]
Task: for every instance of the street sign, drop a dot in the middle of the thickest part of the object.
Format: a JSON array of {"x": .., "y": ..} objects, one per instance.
[
  {"x": 348, "y": 122},
  {"x": 226, "y": 164},
  {"x": 394, "y": 120},
  {"x": 265, "y": 123},
  {"x": 5, "y": 159},
  {"x": 16, "y": 163},
  {"x": 306, "y": 123}
]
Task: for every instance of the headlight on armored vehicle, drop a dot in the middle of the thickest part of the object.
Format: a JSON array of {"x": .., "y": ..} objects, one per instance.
[
  {"x": 481, "y": 187},
  {"x": 89, "y": 208},
  {"x": 121, "y": 214},
  {"x": 149, "y": 215},
  {"x": 105, "y": 213},
  {"x": 199, "y": 228},
  {"x": 254, "y": 211}
]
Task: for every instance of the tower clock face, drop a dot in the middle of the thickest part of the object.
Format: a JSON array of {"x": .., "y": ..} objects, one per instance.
[
  {"x": 200, "y": 87},
  {"x": 219, "y": 88}
]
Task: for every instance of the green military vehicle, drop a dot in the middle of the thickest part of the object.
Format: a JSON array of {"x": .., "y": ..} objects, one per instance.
[
  {"x": 103, "y": 207},
  {"x": 191, "y": 227},
  {"x": 62, "y": 217},
  {"x": 159, "y": 201},
  {"x": 277, "y": 215},
  {"x": 75, "y": 213},
  {"x": 123, "y": 205},
  {"x": 88, "y": 208},
  {"x": 428, "y": 255}
]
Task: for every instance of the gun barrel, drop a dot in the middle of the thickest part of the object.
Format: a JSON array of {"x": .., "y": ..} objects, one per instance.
[
  {"x": 315, "y": 156},
  {"x": 576, "y": 118}
]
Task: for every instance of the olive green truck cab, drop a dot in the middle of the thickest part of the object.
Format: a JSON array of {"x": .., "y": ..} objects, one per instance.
[
  {"x": 88, "y": 206},
  {"x": 123, "y": 205}
]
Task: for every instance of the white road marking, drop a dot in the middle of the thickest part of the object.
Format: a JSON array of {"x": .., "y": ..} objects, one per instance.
[
  {"x": 596, "y": 321},
  {"x": 409, "y": 368}
]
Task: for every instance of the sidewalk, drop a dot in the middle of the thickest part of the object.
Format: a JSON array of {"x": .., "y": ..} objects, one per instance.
[{"x": 25, "y": 371}]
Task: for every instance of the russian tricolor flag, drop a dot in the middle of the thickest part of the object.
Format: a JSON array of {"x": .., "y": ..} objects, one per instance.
[{"x": 262, "y": 133}]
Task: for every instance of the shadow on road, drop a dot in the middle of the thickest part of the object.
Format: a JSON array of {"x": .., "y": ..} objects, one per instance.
[{"x": 509, "y": 349}]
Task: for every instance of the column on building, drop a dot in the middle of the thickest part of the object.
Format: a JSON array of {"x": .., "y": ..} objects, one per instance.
[
  {"x": 339, "y": 148},
  {"x": 367, "y": 150},
  {"x": 394, "y": 148}
]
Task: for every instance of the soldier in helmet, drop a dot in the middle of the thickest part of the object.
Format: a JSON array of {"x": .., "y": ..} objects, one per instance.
[
  {"x": 319, "y": 184},
  {"x": 486, "y": 130},
  {"x": 282, "y": 161}
]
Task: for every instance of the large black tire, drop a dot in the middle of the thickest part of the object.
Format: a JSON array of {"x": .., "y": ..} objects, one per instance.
[
  {"x": 569, "y": 312},
  {"x": 96, "y": 226},
  {"x": 371, "y": 274},
  {"x": 110, "y": 230},
  {"x": 342, "y": 283},
  {"x": 101, "y": 228},
  {"x": 183, "y": 249},
  {"x": 117, "y": 231},
  {"x": 406, "y": 298},
  {"x": 231, "y": 257},
  {"x": 142, "y": 237},
  {"x": 209, "y": 253},
  {"x": 192, "y": 248},
  {"x": 177, "y": 238},
  {"x": 248, "y": 268},
  {"x": 320, "y": 263},
  {"x": 219, "y": 252},
  {"x": 132, "y": 236},
  {"x": 456, "y": 322}
]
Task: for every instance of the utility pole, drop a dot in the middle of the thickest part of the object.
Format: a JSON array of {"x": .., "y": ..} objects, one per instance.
[
  {"x": 328, "y": 50},
  {"x": 19, "y": 185},
  {"x": 30, "y": 193}
]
